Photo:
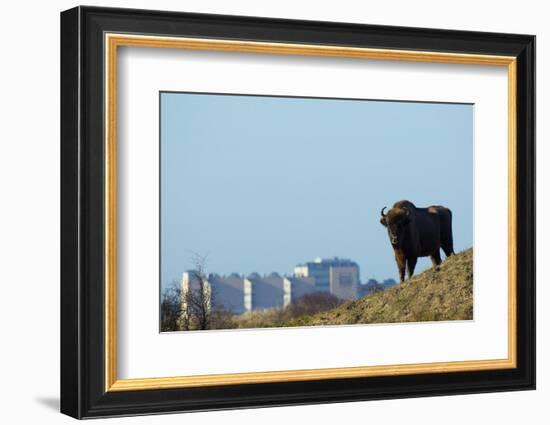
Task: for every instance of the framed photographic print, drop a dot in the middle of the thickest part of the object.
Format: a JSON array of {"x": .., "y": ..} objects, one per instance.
[{"x": 261, "y": 212}]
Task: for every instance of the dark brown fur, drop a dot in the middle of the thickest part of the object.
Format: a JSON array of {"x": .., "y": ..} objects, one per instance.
[{"x": 418, "y": 232}]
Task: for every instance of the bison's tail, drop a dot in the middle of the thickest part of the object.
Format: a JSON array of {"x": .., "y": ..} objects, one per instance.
[{"x": 447, "y": 234}]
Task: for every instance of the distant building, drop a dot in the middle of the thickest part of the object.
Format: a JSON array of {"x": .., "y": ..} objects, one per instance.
[
  {"x": 296, "y": 287},
  {"x": 227, "y": 293},
  {"x": 263, "y": 292},
  {"x": 318, "y": 271},
  {"x": 221, "y": 292},
  {"x": 344, "y": 281},
  {"x": 338, "y": 276},
  {"x": 191, "y": 283},
  {"x": 239, "y": 294}
]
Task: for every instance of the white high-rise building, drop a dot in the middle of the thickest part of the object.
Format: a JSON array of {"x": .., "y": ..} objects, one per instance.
[{"x": 338, "y": 276}]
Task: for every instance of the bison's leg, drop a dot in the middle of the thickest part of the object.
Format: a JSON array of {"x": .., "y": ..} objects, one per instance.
[
  {"x": 400, "y": 260},
  {"x": 436, "y": 258},
  {"x": 401, "y": 268},
  {"x": 448, "y": 249},
  {"x": 411, "y": 264}
]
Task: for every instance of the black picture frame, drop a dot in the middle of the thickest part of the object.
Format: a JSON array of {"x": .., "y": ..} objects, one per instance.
[{"x": 83, "y": 392}]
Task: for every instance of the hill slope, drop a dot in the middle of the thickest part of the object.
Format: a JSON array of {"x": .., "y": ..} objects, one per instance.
[{"x": 444, "y": 294}]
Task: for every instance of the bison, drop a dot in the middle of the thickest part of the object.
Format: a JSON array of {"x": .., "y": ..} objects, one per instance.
[{"x": 418, "y": 232}]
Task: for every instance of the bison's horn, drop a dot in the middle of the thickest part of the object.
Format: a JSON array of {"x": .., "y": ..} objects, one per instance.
[
  {"x": 407, "y": 212},
  {"x": 382, "y": 212}
]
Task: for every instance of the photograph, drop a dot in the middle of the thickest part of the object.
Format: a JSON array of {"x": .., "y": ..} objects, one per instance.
[{"x": 285, "y": 211}]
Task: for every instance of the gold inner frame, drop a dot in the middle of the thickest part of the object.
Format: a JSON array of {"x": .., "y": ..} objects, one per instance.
[{"x": 113, "y": 41}]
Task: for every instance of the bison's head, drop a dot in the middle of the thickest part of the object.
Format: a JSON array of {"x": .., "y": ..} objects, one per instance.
[{"x": 396, "y": 222}]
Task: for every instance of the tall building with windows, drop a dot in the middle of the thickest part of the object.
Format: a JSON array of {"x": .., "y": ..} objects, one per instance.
[{"x": 338, "y": 276}]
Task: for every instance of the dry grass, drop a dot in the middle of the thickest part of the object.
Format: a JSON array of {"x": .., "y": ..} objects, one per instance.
[
  {"x": 276, "y": 317},
  {"x": 445, "y": 293}
]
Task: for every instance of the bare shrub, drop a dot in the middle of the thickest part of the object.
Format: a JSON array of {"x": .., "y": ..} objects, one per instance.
[
  {"x": 171, "y": 310},
  {"x": 222, "y": 319},
  {"x": 313, "y": 303}
]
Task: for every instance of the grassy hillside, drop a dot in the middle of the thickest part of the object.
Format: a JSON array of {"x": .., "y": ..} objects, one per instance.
[{"x": 443, "y": 294}]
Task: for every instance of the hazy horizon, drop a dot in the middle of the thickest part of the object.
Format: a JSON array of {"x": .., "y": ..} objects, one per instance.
[{"x": 260, "y": 184}]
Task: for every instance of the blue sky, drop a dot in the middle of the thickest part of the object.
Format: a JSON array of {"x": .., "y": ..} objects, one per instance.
[{"x": 259, "y": 184}]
